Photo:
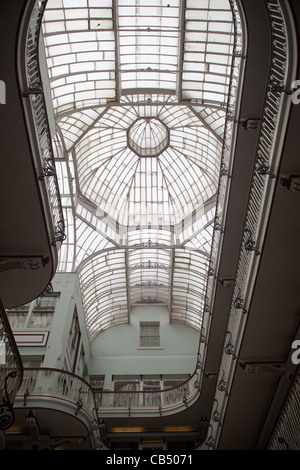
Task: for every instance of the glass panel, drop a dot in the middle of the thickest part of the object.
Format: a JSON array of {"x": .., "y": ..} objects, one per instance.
[
  {"x": 140, "y": 98},
  {"x": 149, "y": 335},
  {"x": 83, "y": 38}
]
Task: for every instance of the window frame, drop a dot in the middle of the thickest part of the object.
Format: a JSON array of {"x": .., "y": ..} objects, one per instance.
[{"x": 149, "y": 324}]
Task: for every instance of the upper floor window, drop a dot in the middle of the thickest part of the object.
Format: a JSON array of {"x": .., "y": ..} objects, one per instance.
[
  {"x": 149, "y": 334},
  {"x": 36, "y": 314}
]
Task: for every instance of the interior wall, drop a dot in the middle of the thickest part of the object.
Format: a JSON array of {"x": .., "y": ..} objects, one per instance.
[
  {"x": 70, "y": 297},
  {"x": 117, "y": 350}
]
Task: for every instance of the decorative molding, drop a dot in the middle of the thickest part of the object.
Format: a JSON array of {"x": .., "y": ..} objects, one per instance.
[
  {"x": 31, "y": 338},
  {"x": 32, "y": 263}
]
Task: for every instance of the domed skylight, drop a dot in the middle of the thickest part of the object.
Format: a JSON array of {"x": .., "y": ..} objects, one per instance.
[
  {"x": 140, "y": 96},
  {"x": 148, "y": 137}
]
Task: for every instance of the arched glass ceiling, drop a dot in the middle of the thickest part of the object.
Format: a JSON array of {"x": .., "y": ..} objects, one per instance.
[{"x": 139, "y": 93}]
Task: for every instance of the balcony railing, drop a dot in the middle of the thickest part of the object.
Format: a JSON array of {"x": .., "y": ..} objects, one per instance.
[
  {"x": 228, "y": 152},
  {"x": 46, "y": 385},
  {"x": 158, "y": 402},
  {"x": 37, "y": 104},
  {"x": 261, "y": 190},
  {"x": 286, "y": 435},
  {"x": 11, "y": 371}
]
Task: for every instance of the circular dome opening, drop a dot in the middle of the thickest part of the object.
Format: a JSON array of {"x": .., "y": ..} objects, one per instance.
[{"x": 148, "y": 137}]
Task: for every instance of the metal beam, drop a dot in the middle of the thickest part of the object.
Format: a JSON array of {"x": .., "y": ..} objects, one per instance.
[
  {"x": 171, "y": 281},
  {"x": 181, "y": 33},
  {"x": 115, "y": 17},
  {"x": 207, "y": 126},
  {"x": 128, "y": 287}
]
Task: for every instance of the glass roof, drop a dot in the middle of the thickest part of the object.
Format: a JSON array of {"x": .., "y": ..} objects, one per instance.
[{"x": 140, "y": 90}]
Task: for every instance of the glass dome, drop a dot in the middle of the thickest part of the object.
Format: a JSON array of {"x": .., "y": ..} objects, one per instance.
[
  {"x": 148, "y": 137},
  {"x": 139, "y": 94}
]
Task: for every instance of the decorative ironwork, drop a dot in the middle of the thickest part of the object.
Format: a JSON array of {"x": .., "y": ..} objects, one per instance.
[
  {"x": 238, "y": 302},
  {"x": 149, "y": 300},
  {"x": 286, "y": 429},
  {"x": 263, "y": 168},
  {"x": 217, "y": 225},
  {"x": 48, "y": 170},
  {"x": 238, "y": 53},
  {"x": 256, "y": 205},
  {"x": 250, "y": 243},
  {"x": 37, "y": 103},
  {"x": 277, "y": 87},
  {"x": 150, "y": 244},
  {"x": 149, "y": 284},
  {"x": 216, "y": 413},
  {"x": 49, "y": 289},
  {"x": 11, "y": 371},
  {"x": 79, "y": 402},
  {"x": 196, "y": 383},
  {"x": 229, "y": 347},
  {"x": 224, "y": 171},
  {"x": 202, "y": 336},
  {"x": 150, "y": 265},
  {"x": 222, "y": 384},
  {"x": 210, "y": 443},
  {"x": 60, "y": 236},
  {"x": 184, "y": 398},
  {"x": 7, "y": 414},
  {"x": 230, "y": 117},
  {"x": 199, "y": 362},
  {"x": 64, "y": 386},
  {"x": 26, "y": 393},
  {"x": 281, "y": 440},
  {"x": 206, "y": 309},
  {"x": 211, "y": 271}
]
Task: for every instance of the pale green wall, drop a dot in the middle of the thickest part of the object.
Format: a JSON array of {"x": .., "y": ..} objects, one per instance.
[
  {"x": 68, "y": 286},
  {"x": 116, "y": 350}
]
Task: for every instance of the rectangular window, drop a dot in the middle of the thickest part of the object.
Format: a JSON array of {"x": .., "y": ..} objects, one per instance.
[
  {"x": 151, "y": 395},
  {"x": 149, "y": 334},
  {"x": 97, "y": 382},
  {"x": 36, "y": 314},
  {"x": 127, "y": 388},
  {"x": 74, "y": 342},
  {"x": 2, "y": 352},
  {"x": 42, "y": 313},
  {"x": 17, "y": 316}
]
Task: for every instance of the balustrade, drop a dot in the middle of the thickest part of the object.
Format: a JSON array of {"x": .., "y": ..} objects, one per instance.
[
  {"x": 43, "y": 382},
  {"x": 35, "y": 95},
  {"x": 58, "y": 385},
  {"x": 286, "y": 435},
  {"x": 11, "y": 371},
  {"x": 155, "y": 400},
  {"x": 261, "y": 190}
]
